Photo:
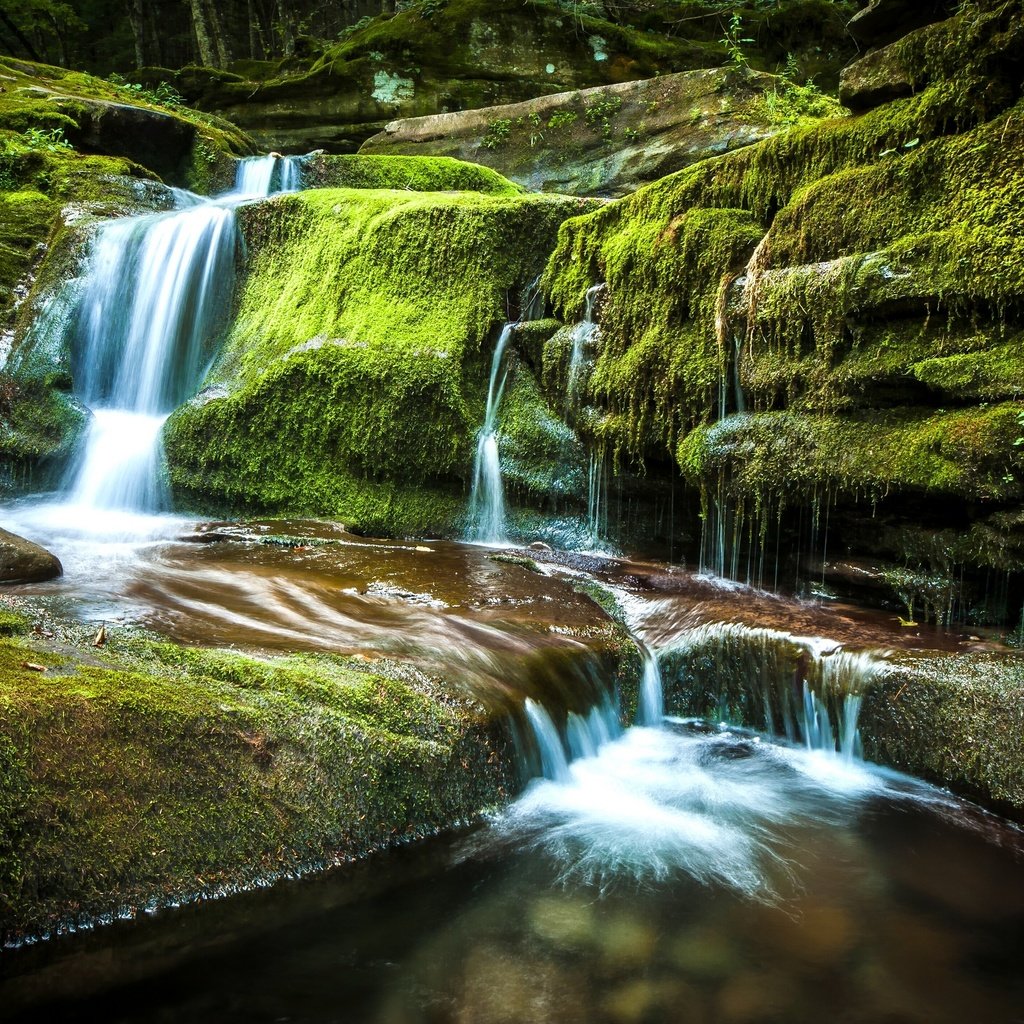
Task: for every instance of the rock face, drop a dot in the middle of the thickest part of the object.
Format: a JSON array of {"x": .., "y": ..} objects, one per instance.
[
  {"x": 466, "y": 54},
  {"x": 830, "y": 319},
  {"x": 22, "y": 561},
  {"x": 605, "y": 141},
  {"x": 884, "y": 21}
]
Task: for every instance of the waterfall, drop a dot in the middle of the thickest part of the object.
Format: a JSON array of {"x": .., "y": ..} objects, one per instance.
[
  {"x": 584, "y": 737},
  {"x": 154, "y": 290},
  {"x": 805, "y": 689},
  {"x": 582, "y": 334},
  {"x": 487, "y": 500},
  {"x": 650, "y": 707}
]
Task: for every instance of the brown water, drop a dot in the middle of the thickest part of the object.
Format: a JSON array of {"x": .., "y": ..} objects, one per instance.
[{"x": 683, "y": 875}]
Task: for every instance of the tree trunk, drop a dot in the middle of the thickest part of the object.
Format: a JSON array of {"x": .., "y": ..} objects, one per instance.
[
  {"x": 20, "y": 36},
  {"x": 207, "y": 54},
  {"x": 221, "y": 43},
  {"x": 284, "y": 16},
  {"x": 137, "y": 20}
]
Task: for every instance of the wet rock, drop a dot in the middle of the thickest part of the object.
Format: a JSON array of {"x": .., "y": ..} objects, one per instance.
[
  {"x": 957, "y": 720},
  {"x": 873, "y": 80},
  {"x": 750, "y": 998},
  {"x": 648, "y": 999},
  {"x": 884, "y": 21},
  {"x": 604, "y": 141},
  {"x": 564, "y": 922},
  {"x": 627, "y": 941},
  {"x": 22, "y": 561},
  {"x": 500, "y": 987},
  {"x": 705, "y": 954}
]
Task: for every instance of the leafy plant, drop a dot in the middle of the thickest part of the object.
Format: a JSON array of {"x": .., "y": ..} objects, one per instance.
[
  {"x": 46, "y": 140},
  {"x": 600, "y": 112},
  {"x": 733, "y": 40},
  {"x": 563, "y": 119},
  {"x": 497, "y": 133}
]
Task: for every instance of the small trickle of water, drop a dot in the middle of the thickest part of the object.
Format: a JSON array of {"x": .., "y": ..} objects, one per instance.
[
  {"x": 585, "y": 735},
  {"x": 582, "y": 335},
  {"x": 487, "y": 500},
  {"x": 650, "y": 708}
]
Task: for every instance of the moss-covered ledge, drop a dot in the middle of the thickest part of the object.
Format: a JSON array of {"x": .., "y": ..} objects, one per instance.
[
  {"x": 354, "y": 376},
  {"x": 957, "y": 720},
  {"x": 145, "y": 773}
]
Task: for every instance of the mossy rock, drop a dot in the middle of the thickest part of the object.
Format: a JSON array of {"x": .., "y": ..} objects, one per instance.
[
  {"x": 353, "y": 379},
  {"x": 609, "y": 140},
  {"x": 467, "y": 54},
  {"x": 160, "y": 774}
]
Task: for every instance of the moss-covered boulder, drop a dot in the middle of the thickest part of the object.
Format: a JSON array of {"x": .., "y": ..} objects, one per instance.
[
  {"x": 353, "y": 379},
  {"x": 152, "y": 774},
  {"x": 463, "y": 54},
  {"x": 608, "y": 140}
]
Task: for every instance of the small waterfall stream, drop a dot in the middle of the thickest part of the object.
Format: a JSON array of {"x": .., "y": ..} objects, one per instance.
[
  {"x": 487, "y": 499},
  {"x": 582, "y": 335},
  {"x": 155, "y": 289}
]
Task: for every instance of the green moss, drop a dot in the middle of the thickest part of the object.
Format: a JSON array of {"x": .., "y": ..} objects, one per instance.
[
  {"x": 955, "y": 721},
  {"x": 165, "y": 772},
  {"x": 540, "y": 456},
  {"x": 416, "y": 174},
  {"x": 356, "y": 365},
  {"x": 969, "y": 453}
]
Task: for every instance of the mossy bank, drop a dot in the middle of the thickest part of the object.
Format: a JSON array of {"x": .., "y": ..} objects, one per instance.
[
  {"x": 145, "y": 773},
  {"x": 823, "y": 329}
]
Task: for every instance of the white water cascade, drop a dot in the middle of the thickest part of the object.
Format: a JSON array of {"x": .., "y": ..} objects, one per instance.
[
  {"x": 582, "y": 335},
  {"x": 154, "y": 291},
  {"x": 487, "y": 499}
]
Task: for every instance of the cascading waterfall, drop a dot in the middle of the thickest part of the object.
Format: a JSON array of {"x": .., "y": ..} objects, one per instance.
[
  {"x": 808, "y": 690},
  {"x": 487, "y": 499},
  {"x": 582, "y": 335},
  {"x": 153, "y": 292}
]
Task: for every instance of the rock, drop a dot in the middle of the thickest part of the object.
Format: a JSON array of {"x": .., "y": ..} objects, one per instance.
[
  {"x": 22, "y": 561},
  {"x": 884, "y": 21},
  {"x": 604, "y": 141},
  {"x": 873, "y": 80}
]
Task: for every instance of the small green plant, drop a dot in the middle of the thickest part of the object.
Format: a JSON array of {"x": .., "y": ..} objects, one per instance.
[
  {"x": 600, "y": 112},
  {"x": 733, "y": 40},
  {"x": 164, "y": 95},
  {"x": 46, "y": 140},
  {"x": 563, "y": 119},
  {"x": 497, "y": 133},
  {"x": 631, "y": 134}
]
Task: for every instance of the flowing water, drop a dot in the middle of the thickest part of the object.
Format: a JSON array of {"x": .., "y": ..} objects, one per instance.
[
  {"x": 487, "y": 500},
  {"x": 673, "y": 875},
  {"x": 152, "y": 301}
]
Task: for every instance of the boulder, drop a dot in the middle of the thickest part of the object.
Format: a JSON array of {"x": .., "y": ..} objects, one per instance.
[
  {"x": 873, "y": 80},
  {"x": 603, "y": 141},
  {"x": 22, "y": 561},
  {"x": 884, "y": 21}
]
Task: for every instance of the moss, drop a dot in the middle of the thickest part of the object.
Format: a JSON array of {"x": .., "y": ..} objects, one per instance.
[
  {"x": 25, "y": 218},
  {"x": 540, "y": 455},
  {"x": 969, "y": 453},
  {"x": 658, "y": 366},
  {"x": 417, "y": 174},
  {"x": 953, "y": 720},
  {"x": 356, "y": 366},
  {"x": 163, "y": 772}
]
